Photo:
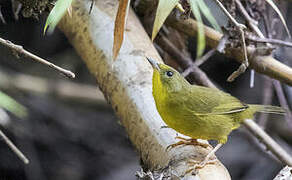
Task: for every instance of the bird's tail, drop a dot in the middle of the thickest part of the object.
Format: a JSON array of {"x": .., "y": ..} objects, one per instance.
[{"x": 268, "y": 109}]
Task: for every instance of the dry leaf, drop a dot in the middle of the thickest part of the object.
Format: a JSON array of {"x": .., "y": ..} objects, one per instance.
[{"x": 120, "y": 26}]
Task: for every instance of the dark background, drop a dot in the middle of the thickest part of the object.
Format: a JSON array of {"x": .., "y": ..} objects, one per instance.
[{"x": 82, "y": 140}]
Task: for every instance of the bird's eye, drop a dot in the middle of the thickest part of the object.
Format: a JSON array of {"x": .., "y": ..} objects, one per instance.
[{"x": 169, "y": 73}]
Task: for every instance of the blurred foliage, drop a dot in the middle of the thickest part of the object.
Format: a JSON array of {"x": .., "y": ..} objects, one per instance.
[
  {"x": 198, "y": 7},
  {"x": 9, "y": 104},
  {"x": 56, "y": 14}
]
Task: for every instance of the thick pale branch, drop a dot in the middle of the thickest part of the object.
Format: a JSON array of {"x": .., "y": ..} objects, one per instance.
[
  {"x": 63, "y": 89},
  {"x": 263, "y": 64},
  {"x": 126, "y": 84}
]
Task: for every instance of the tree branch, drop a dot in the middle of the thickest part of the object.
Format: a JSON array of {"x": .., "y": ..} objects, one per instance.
[
  {"x": 126, "y": 84},
  {"x": 274, "y": 147},
  {"x": 16, "y": 49},
  {"x": 263, "y": 64},
  {"x": 10, "y": 144},
  {"x": 63, "y": 89},
  {"x": 213, "y": 38},
  {"x": 185, "y": 62},
  {"x": 273, "y": 67}
]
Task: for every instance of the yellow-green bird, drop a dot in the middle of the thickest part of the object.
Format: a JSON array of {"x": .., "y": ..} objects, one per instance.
[{"x": 199, "y": 112}]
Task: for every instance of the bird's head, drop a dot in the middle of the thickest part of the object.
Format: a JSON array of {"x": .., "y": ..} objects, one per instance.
[{"x": 166, "y": 76}]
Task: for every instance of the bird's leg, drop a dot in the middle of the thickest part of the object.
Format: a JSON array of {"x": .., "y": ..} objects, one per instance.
[
  {"x": 195, "y": 142},
  {"x": 190, "y": 141},
  {"x": 206, "y": 160}
]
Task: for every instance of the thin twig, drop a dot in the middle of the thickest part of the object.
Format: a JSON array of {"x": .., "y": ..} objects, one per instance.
[
  {"x": 244, "y": 48},
  {"x": 260, "y": 63},
  {"x": 267, "y": 99},
  {"x": 189, "y": 27},
  {"x": 254, "y": 26},
  {"x": 238, "y": 25},
  {"x": 251, "y": 22},
  {"x": 241, "y": 9},
  {"x": 283, "y": 101},
  {"x": 277, "y": 150},
  {"x": 198, "y": 62},
  {"x": 251, "y": 126},
  {"x": 185, "y": 62},
  {"x": 1, "y": 16},
  {"x": 271, "y": 145},
  {"x": 17, "y": 11},
  {"x": 19, "y": 154},
  {"x": 19, "y": 49},
  {"x": 76, "y": 27},
  {"x": 242, "y": 68},
  {"x": 16, "y": 7},
  {"x": 203, "y": 59},
  {"x": 267, "y": 25},
  {"x": 271, "y": 41}
]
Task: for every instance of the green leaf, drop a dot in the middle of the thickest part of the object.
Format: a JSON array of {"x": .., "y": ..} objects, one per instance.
[
  {"x": 56, "y": 14},
  {"x": 201, "y": 41},
  {"x": 163, "y": 10},
  {"x": 207, "y": 13},
  {"x": 9, "y": 104},
  {"x": 273, "y": 5}
]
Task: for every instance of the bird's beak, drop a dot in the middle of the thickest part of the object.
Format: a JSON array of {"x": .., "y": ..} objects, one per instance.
[{"x": 153, "y": 63}]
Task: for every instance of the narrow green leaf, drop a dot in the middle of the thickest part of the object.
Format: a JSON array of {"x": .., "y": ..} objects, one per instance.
[
  {"x": 9, "y": 104},
  {"x": 56, "y": 14},
  {"x": 207, "y": 13},
  {"x": 273, "y": 5},
  {"x": 163, "y": 10},
  {"x": 201, "y": 41}
]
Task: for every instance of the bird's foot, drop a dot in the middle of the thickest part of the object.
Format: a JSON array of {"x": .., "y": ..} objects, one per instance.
[
  {"x": 197, "y": 165},
  {"x": 190, "y": 141},
  {"x": 207, "y": 160}
]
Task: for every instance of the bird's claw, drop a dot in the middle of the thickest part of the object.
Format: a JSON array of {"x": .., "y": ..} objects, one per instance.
[
  {"x": 185, "y": 141},
  {"x": 197, "y": 165}
]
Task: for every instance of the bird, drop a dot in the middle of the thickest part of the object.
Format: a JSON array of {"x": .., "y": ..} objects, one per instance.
[{"x": 199, "y": 112}]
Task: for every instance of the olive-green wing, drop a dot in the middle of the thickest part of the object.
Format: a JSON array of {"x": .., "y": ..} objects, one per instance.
[{"x": 208, "y": 101}]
